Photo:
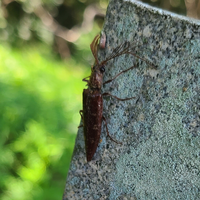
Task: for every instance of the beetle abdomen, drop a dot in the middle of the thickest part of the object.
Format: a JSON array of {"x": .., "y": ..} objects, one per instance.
[{"x": 92, "y": 116}]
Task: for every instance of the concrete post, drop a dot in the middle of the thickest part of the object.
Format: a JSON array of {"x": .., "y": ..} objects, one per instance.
[{"x": 160, "y": 128}]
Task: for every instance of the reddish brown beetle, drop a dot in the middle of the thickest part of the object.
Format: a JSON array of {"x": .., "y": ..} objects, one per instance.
[{"x": 92, "y": 113}]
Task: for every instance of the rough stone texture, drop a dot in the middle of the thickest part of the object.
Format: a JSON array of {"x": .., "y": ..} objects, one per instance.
[{"x": 160, "y": 155}]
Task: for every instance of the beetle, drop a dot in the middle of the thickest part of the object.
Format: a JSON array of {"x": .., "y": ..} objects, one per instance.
[{"x": 92, "y": 113}]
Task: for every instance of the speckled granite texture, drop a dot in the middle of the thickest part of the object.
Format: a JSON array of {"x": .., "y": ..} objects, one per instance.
[{"x": 160, "y": 128}]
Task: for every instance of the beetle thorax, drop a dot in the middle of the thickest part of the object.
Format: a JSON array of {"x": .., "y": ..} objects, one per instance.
[{"x": 96, "y": 78}]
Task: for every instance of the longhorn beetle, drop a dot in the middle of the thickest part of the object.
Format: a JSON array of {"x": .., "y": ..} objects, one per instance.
[{"x": 92, "y": 113}]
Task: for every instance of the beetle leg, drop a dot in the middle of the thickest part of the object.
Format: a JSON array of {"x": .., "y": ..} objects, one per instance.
[
  {"x": 85, "y": 79},
  {"x": 80, "y": 112},
  {"x": 119, "y": 74},
  {"x": 107, "y": 93},
  {"x": 104, "y": 119}
]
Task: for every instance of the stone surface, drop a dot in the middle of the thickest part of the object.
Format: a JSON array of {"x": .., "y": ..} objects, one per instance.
[{"x": 160, "y": 128}]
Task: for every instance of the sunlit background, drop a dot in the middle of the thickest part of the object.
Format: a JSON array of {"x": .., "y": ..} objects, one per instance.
[{"x": 44, "y": 54}]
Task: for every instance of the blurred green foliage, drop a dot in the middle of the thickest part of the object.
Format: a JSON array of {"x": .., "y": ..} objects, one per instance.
[{"x": 40, "y": 99}]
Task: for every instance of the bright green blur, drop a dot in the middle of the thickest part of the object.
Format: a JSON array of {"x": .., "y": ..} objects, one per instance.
[{"x": 40, "y": 98}]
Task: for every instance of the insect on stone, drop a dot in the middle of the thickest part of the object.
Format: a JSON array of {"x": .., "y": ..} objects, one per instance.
[{"x": 92, "y": 113}]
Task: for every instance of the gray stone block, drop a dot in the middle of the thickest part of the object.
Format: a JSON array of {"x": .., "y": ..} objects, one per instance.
[{"x": 160, "y": 128}]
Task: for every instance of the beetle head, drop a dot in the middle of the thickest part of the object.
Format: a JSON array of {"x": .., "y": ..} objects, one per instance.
[{"x": 96, "y": 78}]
